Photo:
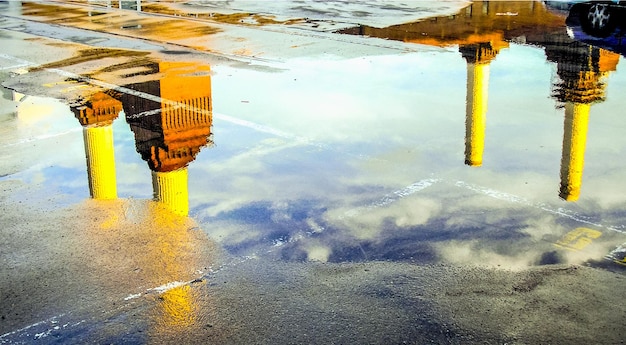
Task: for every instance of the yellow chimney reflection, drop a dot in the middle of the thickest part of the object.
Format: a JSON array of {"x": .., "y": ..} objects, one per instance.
[
  {"x": 154, "y": 255},
  {"x": 170, "y": 188},
  {"x": 574, "y": 140},
  {"x": 478, "y": 57},
  {"x": 100, "y": 161},
  {"x": 476, "y": 113},
  {"x": 582, "y": 70},
  {"x": 175, "y": 258},
  {"x": 178, "y": 304},
  {"x": 96, "y": 115},
  {"x": 170, "y": 133}
]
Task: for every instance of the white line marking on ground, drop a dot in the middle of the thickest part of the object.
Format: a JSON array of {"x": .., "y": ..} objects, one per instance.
[
  {"x": 54, "y": 320},
  {"x": 132, "y": 296},
  {"x": 147, "y": 113},
  {"x": 523, "y": 201},
  {"x": 43, "y": 137},
  {"x": 170, "y": 103},
  {"x": 160, "y": 289},
  {"x": 147, "y": 96},
  {"x": 16, "y": 59},
  {"x": 393, "y": 197},
  {"x": 49, "y": 320},
  {"x": 14, "y": 66}
]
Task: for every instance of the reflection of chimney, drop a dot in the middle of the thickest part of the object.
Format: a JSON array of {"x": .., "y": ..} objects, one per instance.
[
  {"x": 170, "y": 133},
  {"x": 171, "y": 189},
  {"x": 178, "y": 305},
  {"x": 96, "y": 116},
  {"x": 100, "y": 161},
  {"x": 574, "y": 139},
  {"x": 175, "y": 257},
  {"x": 581, "y": 69},
  {"x": 476, "y": 113},
  {"x": 478, "y": 57}
]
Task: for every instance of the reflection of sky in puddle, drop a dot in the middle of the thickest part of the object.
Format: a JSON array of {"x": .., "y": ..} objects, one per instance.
[
  {"x": 363, "y": 159},
  {"x": 389, "y": 122}
]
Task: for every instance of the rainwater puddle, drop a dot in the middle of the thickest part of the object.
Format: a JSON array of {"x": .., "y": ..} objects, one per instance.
[{"x": 501, "y": 147}]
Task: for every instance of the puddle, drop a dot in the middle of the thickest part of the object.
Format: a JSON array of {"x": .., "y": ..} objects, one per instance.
[{"x": 479, "y": 154}]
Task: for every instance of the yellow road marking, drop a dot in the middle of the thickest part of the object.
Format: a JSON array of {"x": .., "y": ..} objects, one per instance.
[{"x": 578, "y": 238}]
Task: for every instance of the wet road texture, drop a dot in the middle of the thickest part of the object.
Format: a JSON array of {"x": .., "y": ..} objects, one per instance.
[{"x": 246, "y": 172}]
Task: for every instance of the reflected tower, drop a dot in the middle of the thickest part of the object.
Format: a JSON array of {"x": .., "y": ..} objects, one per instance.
[
  {"x": 96, "y": 115},
  {"x": 581, "y": 70},
  {"x": 478, "y": 57},
  {"x": 170, "y": 130}
]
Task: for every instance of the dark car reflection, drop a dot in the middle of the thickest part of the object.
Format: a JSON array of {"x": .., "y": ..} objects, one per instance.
[
  {"x": 171, "y": 119},
  {"x": 599, "y": 23},
  {"x": 482, "y": 30}
]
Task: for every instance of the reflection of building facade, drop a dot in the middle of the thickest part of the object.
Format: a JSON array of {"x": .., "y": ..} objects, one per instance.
[
  {"x": 171, "y": 129},
  {"x": 96, "y": 116}
]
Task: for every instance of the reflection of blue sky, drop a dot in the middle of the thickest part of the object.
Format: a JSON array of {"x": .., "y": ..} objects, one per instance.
[
  {"x": 387, "y": 122},
  {"x": 133, "y": 175},
  {"x": 41, "y": 129},
  {"x": 370, "y": 99}
]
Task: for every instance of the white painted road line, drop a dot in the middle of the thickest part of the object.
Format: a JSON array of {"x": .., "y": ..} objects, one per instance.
[
  {"x": 51, "y": 320},
  {"x": 393, "y": 197},
  {"x": 523, "y": 201},
  {"x": 16, "y": 59},
  {"x": 43, "y": 137},
  {"x": 14, "y": 67}
]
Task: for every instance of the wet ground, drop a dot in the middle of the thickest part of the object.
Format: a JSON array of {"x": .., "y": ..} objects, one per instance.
[{"x": 380, "y": 172}]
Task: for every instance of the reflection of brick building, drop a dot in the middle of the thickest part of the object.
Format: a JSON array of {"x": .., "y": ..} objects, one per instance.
[
  {"x": 171, "y": 128},
  {"x": 96, "y": 115}
]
